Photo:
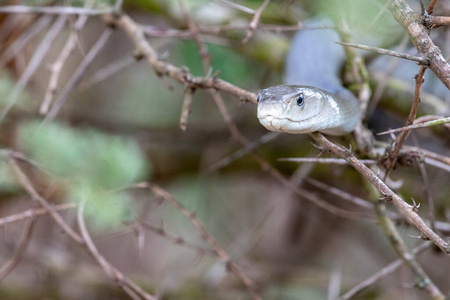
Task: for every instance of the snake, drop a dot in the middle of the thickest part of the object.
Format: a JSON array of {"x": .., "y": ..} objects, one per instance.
[{"x": 313, "y": 97}]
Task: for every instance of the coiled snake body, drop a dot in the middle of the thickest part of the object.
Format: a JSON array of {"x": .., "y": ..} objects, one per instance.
[{"x": 322, "y": 104}]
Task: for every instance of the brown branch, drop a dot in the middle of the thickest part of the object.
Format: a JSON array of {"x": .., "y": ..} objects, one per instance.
[
  {"x": 254, "y": 23},
  {"x": 79, "y": 72},
  {"x": 243, "y": 151},
  {"x": 330, "y": 161},
  {"x": 21, "y": 41},
  {"x": 34, "y": 63},
  {"x": 430, "y": 8},
  {"x": 186, "y": 108},
  {"x": 53, "y": 10},
  {"x": 437, "y": 21},
  {"x": 204, "y": 53},
  {"x": 120, "y": 279},
  {"x": 109, "y": 70},
  {"x": 26, "y": 236},
  {"x": 177, "y": 240},
  {"x": 405, "y": 209},
  {"x": 56, "y": 67},
  {"x": 221, "y": 253},
  {"x": 400, "y": 140},
  {"x": 31, "y": 213},
  {"x": 162, "y": 68},
  {"x": 428, "y": 195},
  {"x": 419, "y": 125},
  {"x": 418, "y": 33},
  {"x": 158, "y": 31},
  {"x": 386, "y": 52},
  {"x": 124, "y": 283},
  {"x": 26, "y": 184}
]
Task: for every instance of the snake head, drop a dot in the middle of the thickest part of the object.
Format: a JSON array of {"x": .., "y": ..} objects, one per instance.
[{"x": 291, "y": 108}]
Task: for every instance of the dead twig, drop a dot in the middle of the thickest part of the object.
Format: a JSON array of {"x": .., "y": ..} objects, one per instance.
[
  {"x": 56, "y": 67},
  {"x": 254, "y": 22},
  {"x": 76, "y": 77},
  {"x": 400, "y": 140},
  {"x": 26, "y": 236},
  {"x": 387, "y": 52},
  {"x": 162, "y": 68},
  {"x": 53, "y": 10},
  {"x": 221, "y": 253},
  {"x": 34, "y": 63},
  {"x": 121, "y": 280},
  {"x": 419, "y": 125}
]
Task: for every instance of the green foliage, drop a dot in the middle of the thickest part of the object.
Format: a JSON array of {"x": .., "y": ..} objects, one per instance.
[
  {"x": 92, "y": 162},
  {"x": 233, "y": 67},
  {"x": 7, "y": 180},
  {"x": 104, "y": 208},
  {"x": 6, "y": 88}
]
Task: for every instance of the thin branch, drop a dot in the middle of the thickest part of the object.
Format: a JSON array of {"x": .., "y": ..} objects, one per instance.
[
  {"x": 76, "y": 77},
  {"x": 118, "y": 277},
  {"x": 204, "y": 53},
  {"x": 216, "y": 30},
  {"x": 186, "y": 108},
  {"x": 118, "y": 5},
  {"x": 162, "y": 68},
  {"x": 109, "y": 70},
  {"x": 430, "y": 8},
  {"x": 20, "y": 42},
  {"x": 34, "y": 63},
  {"x": 438, "y": 21},
  {"x": 56, "y": 67},
  {"x": 383, "y": 273},
  {"x": 331, "y": 161},
  {"x": 400, "y": 140},
  {"x": 177, "y": 240},
  {"x": 221, "y": 253},
  {"x": 386, "y": 52},
  {"x": 421, "y": 39},
  {"x": 428, "y": 196},
  {"x": 26, "y": 236},
  {"x": 34, "y": 212},
  {"x": 26, "y": 184},
  {"x": 53, "y": 10},
  {"x": 243, "y": 151},
  {"x": 255, "y": 20},
  {"x": 419, "y": 125},
  {"x": 236, "y": 6},
  {"x": 405, "y": 209}
]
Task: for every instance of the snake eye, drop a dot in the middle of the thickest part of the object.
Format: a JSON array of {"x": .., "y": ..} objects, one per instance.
[
  {"x": 257, "y": 98},
  {"x": 300, "y": 99}
]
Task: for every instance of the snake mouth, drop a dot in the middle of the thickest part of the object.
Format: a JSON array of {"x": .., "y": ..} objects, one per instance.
[{"x": 283, "y": 118}]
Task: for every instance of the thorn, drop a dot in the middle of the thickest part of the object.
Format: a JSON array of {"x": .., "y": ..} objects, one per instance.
[
  {"x": 386, "y": 197},
  {"x": 416, "y": 206},
  {"x": 322, "y": 150},
  {"x": 419, "y": 237}
]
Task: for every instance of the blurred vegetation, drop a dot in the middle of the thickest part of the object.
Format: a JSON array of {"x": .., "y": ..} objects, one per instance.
[{"x": 125, "y": 129}]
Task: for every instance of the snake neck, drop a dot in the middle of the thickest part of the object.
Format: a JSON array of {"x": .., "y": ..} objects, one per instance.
[{"x": 314, "y": 58}]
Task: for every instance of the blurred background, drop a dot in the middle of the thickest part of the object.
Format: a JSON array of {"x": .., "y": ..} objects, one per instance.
[{"x": 120, "y": 125}]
